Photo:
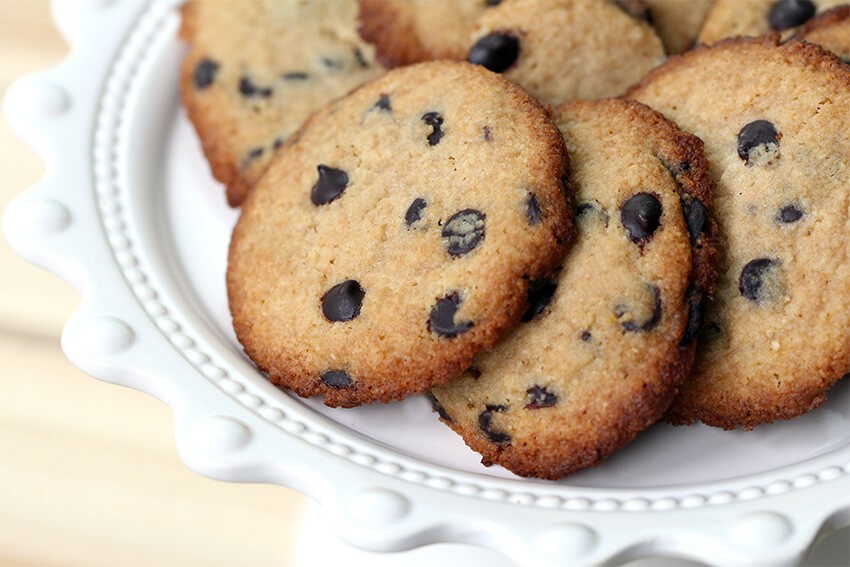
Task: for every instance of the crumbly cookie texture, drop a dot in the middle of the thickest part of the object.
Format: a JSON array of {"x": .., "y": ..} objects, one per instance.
[
  {"x": 562, "y": 50},
  {"x": 396, "y": 237},
  {"x": 774, "y": 118},
  {"x": 609, "y": 338},
  {"x": 256, "y": 69},
  {"x": 413, "y": 31},
  {"x": 830, "y": 30},
  {"x": 731, "y": 18},
  {"x": 678, "y": 21}
]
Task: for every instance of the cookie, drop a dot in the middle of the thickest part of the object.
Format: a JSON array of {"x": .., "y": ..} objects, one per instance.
[
  {"x": 396, "y": 237},
  {"x": 609, "y": 338},
  {"x": 257, "y": 69},
  {"x": 830, "y": 30},
  {"x": 774, "y": 119},
  {"x": 730, "y": 18},
  {"x": 412, "y": 31},
  {"x": 678, "y": 21},
  {"x": 562, "y": 50}
]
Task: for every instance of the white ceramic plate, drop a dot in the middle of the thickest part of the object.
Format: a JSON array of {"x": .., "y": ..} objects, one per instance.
[{"x": 129, "y": 214}]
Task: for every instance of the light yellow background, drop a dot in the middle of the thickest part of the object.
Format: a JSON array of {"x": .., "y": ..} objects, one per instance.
[{"x": 88, "y": 471}]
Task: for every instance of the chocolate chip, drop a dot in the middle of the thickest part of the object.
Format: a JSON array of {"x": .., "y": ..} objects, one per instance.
[
  {"x": 252, "y": 155},
  {"x": 496, "y": 51},
  {"x": 540, "y": 294},
  {"x": 474, "y": 371},
  {"x": 463, "y": 232},
  {"x": 586, "y": 335},
  {"x": 632, "y": 322},
  {"x": 761, "y": 280},
  {"x": 493, "y": 2},
  {"x": 296, "y": 76},
  {"x": 332, "y": 182},
  {"x": 636, "y": 9},
  {"x": 249, "y": 90},
  {"x": 488, "y": 135},
  {"x": 532, "y": 210},
  {"x": 786, "y": 14},
  {"x": 337, "y": 379},
  {"x": 693, "y": 299},
  {"x": 331, "y": 63},
  {"x": 539, "y": 397},
  {"x": 696, "y": 217},
  {"x": 435, "y": 121},
  {"x": 641, "y": 216},
  {"x": 360, "y": 58},
  {"x": 438, "y": 408},
  {"x": 414, "y": 211},
  {"x": 442, "y": 319},
  {"x": 789, "y": 214},
  {"x": 484, "y": 420},
  {"x": 384, "y": 103},
  {"x": 278, "y": 142},
  {"x": 757, "y": 135},
  {"x": 592, "y": 209},
  {"x": 205, "y": 73},
  {"x": 342, "y": 302}
]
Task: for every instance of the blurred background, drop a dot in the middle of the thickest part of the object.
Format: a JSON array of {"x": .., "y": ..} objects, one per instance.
[{"x": 89, "y": 474}]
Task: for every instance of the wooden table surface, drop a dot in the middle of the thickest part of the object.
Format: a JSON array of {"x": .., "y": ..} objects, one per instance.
[{"x": 88, "y": 471}]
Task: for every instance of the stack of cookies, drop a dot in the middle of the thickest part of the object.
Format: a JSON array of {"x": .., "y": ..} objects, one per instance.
[{"x": 444, "y": 198}]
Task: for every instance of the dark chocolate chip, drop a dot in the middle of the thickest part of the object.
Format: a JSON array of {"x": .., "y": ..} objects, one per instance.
[
  {"x": 693, "y": 299},
  {"x": 435, "y": 121},
  {"x": 488, "y": 135},
  {"x": 632, "y": 324},
  {"x": 760, "y": 280},
  {"x": 484, "y": 420},
  {"x": 696, "y": 217},
  {"x": 539, "y": 397},
  {"x": 496, "y": 51},
  {"x": 463, "y": 232},
  {"x": 248, "y": 89},
  {"x": 636, "y": 9},
  {"x": 337, "y": 379},
  {"x": 342, "y": 302},
  {"x": 540, "y": 294},
  {"x": 296, "y": 76},
  {"x": 532, "y": 210},
  {"x": 442, "y": 319},
  {"x": 332, "y": 182},
  {"x": 591, "y": 209},
  {"x": 789, "y": 214},
  {"x": 641, "y": 216},
  {"x": 474, "y": 371},
  {"x": 278, "y": 142},
  {"x": 586, "y": 335},
  {"x": 438, "y": 408},
  {"x": 754, "y": 135},
  {"x": 493, "y": 2},
  {"x": 360, "y": 58},
  {"x": 414, "y": 211},
  {"x": 205, "y": 73},
  {"x": 384, "y": 103},
  {"x": 252, "y": 155},
  {"x": 786, "y": 14}
]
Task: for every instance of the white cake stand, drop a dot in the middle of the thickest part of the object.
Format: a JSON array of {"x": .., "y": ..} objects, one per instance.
[{"x": 128, "y": 214}]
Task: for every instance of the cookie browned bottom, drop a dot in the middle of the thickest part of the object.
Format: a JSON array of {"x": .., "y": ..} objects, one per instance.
[
  {"x": 609, "y": 339},
  {"x": 773, "y": 118},
  {"x": 395, "y": 239},
  {"x": 256, "y": 69}
]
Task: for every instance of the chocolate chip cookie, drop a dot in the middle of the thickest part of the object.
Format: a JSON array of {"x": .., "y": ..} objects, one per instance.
[
  {"x": 257, "y": 69},
  {"x": 609, "y": 338},
  {"x": 774, "y": 118},
  {"x": 562, "y": 50},
  {"x": 730, "y": 18},
  {"x": 397, "y": 236},
  {"x": 830, "y": 30},
  {"x": 412, "y": 31}
]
